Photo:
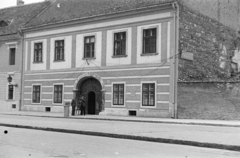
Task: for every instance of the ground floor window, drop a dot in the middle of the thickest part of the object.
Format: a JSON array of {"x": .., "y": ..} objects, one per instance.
[
  {"x": 10, "y": 92},
  {"x": 118, "y": 94},
  {"x": 36, "y": 94},
  {"x": 148, "y": 94},
  {"x": 58, "y": 90}
]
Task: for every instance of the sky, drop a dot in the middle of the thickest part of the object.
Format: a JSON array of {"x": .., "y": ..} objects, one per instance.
[{"x": 10, "y": 3}]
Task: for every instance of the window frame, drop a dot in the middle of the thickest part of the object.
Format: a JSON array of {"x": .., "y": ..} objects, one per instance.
[
  {"x": 8, "y": 92},
  {"x": 34, "y": 52},
  {"x": 120, "y": 41},
  {"x": 124, "y": 94},
  {"x": 93, "y": 44},
  {"x": 62, "y": 97},
  {"x": 40, "y": 93},
  {"x": 155, "y": 95},
  {"x": 12, "y": 58},
  {"x": 57, "y": 51},
  {"x": 144, "y": 38}
]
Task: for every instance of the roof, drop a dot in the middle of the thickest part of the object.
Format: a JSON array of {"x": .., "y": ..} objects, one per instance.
[
  {"x": 67, "y": 10},
  {"x": 16, "y": 17}
]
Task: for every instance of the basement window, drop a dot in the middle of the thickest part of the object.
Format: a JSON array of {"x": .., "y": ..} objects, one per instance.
[
  {"x": 132, "y": 113},
  {"x": 47, "y": 109},
  {"x": 13, "y": 106}
]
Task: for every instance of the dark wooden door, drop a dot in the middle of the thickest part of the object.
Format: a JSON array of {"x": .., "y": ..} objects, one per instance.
[
  {"x": 88, "y": 86},
  {"x": 91, "y": 103}
]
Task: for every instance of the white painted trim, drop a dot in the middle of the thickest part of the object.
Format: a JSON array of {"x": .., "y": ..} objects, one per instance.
[
  {"x": 99, "y": 25},
  {"x": 108, "y": 93},
  {"x": 47, "y": 93},
  {"x": 105, "y": 78},
  {"x": 165, "y": 93},
  {"x": 163, "y": 84},
  {"x": 133, "y": 85},
  {"x": 71, "y": 72},
  {"x": 128, "y": 93},
  {"x": 133, "y": 101},
  {"x": 68, "y": 93},
  {"x": 167, "y": 102},
  {"x": 149, "y": 107},
  {"x": 168, "y": 41},
  {"x": 28, "y": 93},
  {"x": 27, "y": 99},
  {"x": 27, "y": 87},
  {"x": 36, "y": 84},
  {"x": 47, "y": 86},
  {"x": 68, "y": 86},
  {"x": 124, "y": 95},
  {"x": 26, "y": 56},
  {"x": 138, "y": 93},
  {"x": 108, "y": 101},
  {"x": 62, "y": 94},
  {"x": 47, "y": 100}
]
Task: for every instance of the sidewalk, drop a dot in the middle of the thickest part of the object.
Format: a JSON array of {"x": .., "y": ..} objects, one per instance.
[
  {"x": 200, "y": 133},
  {"x": 227, "y": 123}
]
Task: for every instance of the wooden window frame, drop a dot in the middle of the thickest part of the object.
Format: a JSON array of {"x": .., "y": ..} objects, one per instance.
[
  {"x": 12, "y": 56},
  {"x": 38, "y": 52},
  {"x": 36, "y": 94},
  {"x": 56, "y": 91},
  {"x": 152, "y": 41},
  {"x": 118, "y": 93},
  {"x": 121, "y": 50},
  {"x": 59, "y": 50},
  {"x": 91, "y": 46},
  {"x": 148, "y": 94}
]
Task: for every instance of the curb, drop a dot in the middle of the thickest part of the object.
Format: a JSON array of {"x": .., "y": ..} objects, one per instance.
[
  {"x": 131, "y": 137},
  {"x": 129, "y": 120}
]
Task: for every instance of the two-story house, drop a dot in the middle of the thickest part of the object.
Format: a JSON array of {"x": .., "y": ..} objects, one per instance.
[
  {"x": 120, "y": 55},
  {"x": 12, "y": 20}
]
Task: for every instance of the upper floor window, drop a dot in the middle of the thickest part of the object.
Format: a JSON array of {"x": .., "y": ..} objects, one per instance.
[
  {"x": 148, "y": 94},
  {"x": 89, "y": 43},
  {"x": 36, "y": 94},
  {"x": 59, "y": 50},
  {"x": 12, "y": 54},
  {"x": 118, "y": 94},
  {"x": 58, "y": 91},
  {"x": 10, "y": 92},
  {"x": 149, "y": 40},
  {"x": 38, "y": 52},
  {"x": 120, "y": 43}
]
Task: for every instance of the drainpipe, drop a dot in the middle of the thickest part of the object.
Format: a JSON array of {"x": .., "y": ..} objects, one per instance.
[
  {"x": 175, "y": 62},
  {"x": 21, "y": 71}
]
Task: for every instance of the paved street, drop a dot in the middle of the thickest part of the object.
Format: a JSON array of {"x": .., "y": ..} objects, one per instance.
[
  {"x": 22, "y": 143},
  {"x": 195, "y": 133}
]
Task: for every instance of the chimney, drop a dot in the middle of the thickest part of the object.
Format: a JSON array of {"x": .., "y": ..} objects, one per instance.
[{"x": 20, "y": 2}]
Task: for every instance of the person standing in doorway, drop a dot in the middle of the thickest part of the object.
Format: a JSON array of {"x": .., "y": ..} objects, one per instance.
[
  {"x": 82, "y": 105},
  {"x": 73, "y": 104}
]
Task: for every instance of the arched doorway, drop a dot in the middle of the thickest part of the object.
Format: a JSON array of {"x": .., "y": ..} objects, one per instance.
[
  {"x": 91, "y": 103},
  {"x": 91, "y": 88}
]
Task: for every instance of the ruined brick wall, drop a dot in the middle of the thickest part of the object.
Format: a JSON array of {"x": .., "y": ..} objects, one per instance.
[
  {"x": 205, "y": 38},
  {"x": 229, "y": 10},
  {"x": 209, "y": 100}
]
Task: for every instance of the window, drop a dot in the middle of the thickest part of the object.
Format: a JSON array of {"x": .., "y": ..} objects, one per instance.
[
  {"x": 149, "y": 41},
  {"x": 36, "y": 94},
  {"x": 118, "y": 94},
  {"x": 10, "y": 92},
  {"x": 59, "y": 50},
  {"x": 148, "y": 94},
  {"x": 120, "y": 43},
  {"x": 12, "y": 56},
  {"x": 58, "y": 89},
  {"x": 89, "y": 43},
  {"x": 37, "y": 52}
]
